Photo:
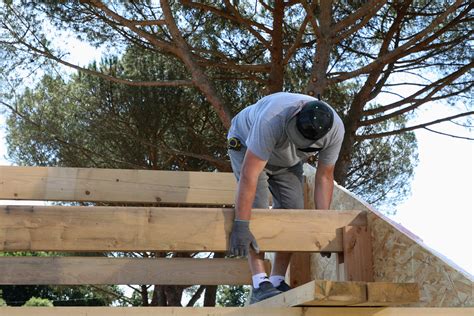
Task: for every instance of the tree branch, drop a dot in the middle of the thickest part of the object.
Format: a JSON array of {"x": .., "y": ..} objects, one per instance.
[
  {"x": 148, "y": 22},
  {"x": 436, "y": 86},
  {"x": 366, "y": 12},
  {"x": 196, "y": 296},
  {"x": 407, "y": 129},
  {"x": 246, "y": 22},
  {"x": 446, "y": 134},
  {"x": 234, "y": 17},
  {"x": 297, "y": 42},
  {"x": 168, "y": 83},
  {"x": 130, "y": 25},
  {"x": 399, "y": 51},
  {"x": 199, "y": 78},
  {"x": 312, "y": 18},
  {"x": 46, "y": 53},
  {"x": 363, "y": 11},
  {"x": 111, "y": 293}
]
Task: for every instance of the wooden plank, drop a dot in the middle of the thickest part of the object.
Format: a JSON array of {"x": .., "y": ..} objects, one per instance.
[
  {"x": 93, "y": 270},
  {"x": 390, "y": 294},
  {"x": 300, "y": 269},
  {"x": 358, "y": 263},
  {"x": 79, "y": 228},
  {"x": 320, "y": 293},
  {"x": 116, "y": 185},
  {"x": 234, "y": 311}
]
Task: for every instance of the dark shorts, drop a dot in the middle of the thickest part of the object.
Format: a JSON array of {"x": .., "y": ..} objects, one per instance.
[{"x": 285, "y": 184}]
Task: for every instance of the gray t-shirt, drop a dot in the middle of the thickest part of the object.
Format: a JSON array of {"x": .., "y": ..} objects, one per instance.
[{"x": 261, "y": 127}]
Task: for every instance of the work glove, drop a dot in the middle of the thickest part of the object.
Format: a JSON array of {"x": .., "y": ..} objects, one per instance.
[
  {"x": 325, "y": 254},
  {"x": 241, "y": 238}
]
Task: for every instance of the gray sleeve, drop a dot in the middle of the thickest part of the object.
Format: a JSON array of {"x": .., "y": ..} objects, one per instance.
[
  {"x": 262, "y": 138},
  {"x": 329, "y": 154}
]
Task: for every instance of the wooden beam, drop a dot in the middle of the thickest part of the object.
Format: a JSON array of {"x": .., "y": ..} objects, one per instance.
[
  {"x": 93, "y": 270},
  {"x": 331, "y": 293},
  {"x": 390, "y": 294},
  {"x": 358, "y": 263},
  {"x": 300, "y": 264},
  {"x": 116, "y": 185},
  {"x": 101, "y": 229},
  {"x": 234, "y": 311},
  {"x": 300, "y": 269},
  {"x": 320, "y": 293}
]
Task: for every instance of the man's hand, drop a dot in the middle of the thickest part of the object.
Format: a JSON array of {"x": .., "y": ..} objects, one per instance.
[{"x": 241, "y": 238}]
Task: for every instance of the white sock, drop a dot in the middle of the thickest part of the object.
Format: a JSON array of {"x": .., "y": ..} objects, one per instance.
[
  {"x": 276, "y": 279},
  {"x": 259, "y": 278}
]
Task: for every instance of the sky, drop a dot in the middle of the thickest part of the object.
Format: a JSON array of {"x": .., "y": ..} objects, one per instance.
[{"x": 440, "y": 208}]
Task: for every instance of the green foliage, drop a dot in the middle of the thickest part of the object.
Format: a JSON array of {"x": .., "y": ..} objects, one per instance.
[
  {"x": 381, "y": 168},
  {"x": 137, "y": 298},
  {"x": 233, "y": 295},
  {"x": 91, "y": 122},
  {"x": 2, "y": 301},
  {"x": 17, "y": 295},
  {"x": 35, "y": 301}
]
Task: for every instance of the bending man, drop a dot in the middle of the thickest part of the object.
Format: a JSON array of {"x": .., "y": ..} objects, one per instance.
[{"x": 268, "y": 143}]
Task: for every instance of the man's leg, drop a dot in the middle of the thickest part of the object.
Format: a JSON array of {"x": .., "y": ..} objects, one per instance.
[{"x": 286, "y": 187}]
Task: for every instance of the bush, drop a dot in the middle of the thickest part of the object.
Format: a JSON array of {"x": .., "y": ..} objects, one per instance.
[{"x": 35, "y": 301}]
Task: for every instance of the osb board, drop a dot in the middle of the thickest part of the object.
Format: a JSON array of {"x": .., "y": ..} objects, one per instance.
[{"x": 400, "y": 256}]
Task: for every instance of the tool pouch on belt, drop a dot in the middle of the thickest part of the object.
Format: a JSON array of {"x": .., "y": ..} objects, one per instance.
[{"x": 234, "y": 144}]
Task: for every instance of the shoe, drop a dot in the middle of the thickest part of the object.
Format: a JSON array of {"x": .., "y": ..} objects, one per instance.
[
  {"x": 283, "y": 287},
  {"x": 264, "y": 291}
]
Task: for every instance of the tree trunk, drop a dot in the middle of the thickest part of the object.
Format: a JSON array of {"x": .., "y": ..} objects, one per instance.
[
  {"x": 210, "y": 296},
  {"x": 211, "y": 290},
  {"x": 275, "y": 79},
  {"x": 159, "y": 296},
  {"x": 144, "y": 293},
  {"x": 318, "y": 82},
  {"x": 173, "y": 295}
]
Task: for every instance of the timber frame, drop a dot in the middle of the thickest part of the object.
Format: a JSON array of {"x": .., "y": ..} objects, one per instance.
[{"x": 155, "y": 204}]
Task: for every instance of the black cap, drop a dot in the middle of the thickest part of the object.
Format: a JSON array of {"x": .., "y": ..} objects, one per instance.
[{"x": 314, "y": 120}]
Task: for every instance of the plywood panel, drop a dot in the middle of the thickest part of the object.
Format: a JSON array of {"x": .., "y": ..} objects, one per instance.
[
  {"x": 67, "y": 228},
  {"x": 400, "y": 256},
  {"x": 116, "y": 185}
]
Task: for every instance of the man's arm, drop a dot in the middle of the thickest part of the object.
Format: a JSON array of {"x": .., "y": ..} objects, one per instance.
[
  {"x": 323, "y": 186},
  {"x": 252, "y": 166},
  {"x": 240, "y": 237}
]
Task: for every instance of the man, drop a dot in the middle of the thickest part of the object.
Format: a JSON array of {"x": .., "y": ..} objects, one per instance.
[{"x": 268, "y": 143}]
